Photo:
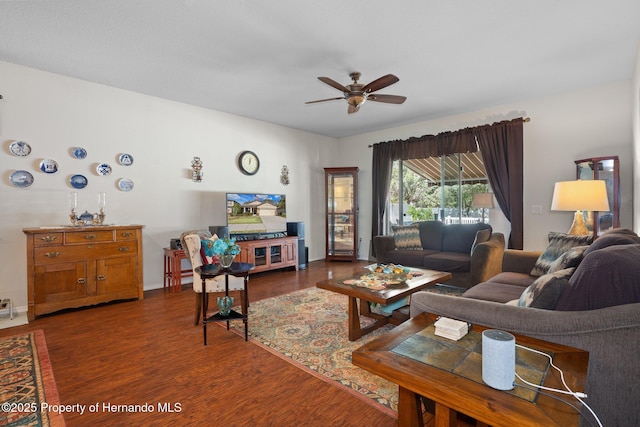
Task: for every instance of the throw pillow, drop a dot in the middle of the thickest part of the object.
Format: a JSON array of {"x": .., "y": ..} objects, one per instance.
[
  {"x": 546, "y": 290},
  {"x": 559, "y": 243},
  {"x": 481, "y": 237},
  {"x": 570, "y": 258},
  {"x": 407, "y": 237},
  {"x": 206, "y": 250}
]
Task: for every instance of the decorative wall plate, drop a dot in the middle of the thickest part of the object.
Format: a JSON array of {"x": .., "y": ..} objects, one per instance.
[
  {"x": 49, "y": 166},
  {"x": 21, "y": 178},
  {"x": 103, "y": 169},
  {"x": 125, "y": 184},
  {"x": 78, "y": 181},
  {"x": 79, "y": 152},
  {"x": 20, "y": 148},
  {"x": 125, "y": 159}
]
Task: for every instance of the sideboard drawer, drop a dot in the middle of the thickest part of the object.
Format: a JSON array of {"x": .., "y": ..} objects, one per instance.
[
  {"x": 45, "y": 239},
  {"x": 89, "y": 236},
  {"x": 126, "y": 234},
  {"x": 48, "y": 254}
]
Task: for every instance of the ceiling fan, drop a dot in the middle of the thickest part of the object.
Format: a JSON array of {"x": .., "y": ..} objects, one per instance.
[{"x": 356, "y": 93}]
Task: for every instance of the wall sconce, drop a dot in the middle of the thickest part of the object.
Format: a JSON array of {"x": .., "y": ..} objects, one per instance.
[
  {"x": 196, "y": 174},
  {"x": 284, "y": 175}
]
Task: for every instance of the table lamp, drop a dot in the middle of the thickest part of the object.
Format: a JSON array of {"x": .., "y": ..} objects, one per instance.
[
  {"x": 578, "y": 196},
  {"x": 482, "y": 201}
]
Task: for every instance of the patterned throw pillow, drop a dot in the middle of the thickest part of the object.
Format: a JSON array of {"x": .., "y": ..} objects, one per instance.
[
  {"x": 407, "y": 237},
  {"x": 570, "y": 258},
  {"x": 546, "y": 290},
  {"x": 559, "y": 243},
  {"x": 206, "y": 250}
]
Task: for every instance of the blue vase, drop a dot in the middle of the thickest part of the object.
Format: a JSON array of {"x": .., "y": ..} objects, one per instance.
[{"x": 224, "y": 304}]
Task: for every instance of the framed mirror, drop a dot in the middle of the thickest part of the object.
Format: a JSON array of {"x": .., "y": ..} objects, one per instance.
[{"x": 608, "y": 170}]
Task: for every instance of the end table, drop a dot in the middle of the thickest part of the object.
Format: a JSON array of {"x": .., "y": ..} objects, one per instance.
[{"x": 238, "y": 269}]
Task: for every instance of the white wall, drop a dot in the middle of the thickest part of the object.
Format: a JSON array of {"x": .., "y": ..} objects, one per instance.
[
  {"x": 589, "y": 123},
  {"x": 635, "y": 95},
  {"x": 54, "y": 113}
]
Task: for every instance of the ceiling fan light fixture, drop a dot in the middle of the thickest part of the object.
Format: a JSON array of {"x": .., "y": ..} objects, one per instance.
[{"x": 357, "y": 100}]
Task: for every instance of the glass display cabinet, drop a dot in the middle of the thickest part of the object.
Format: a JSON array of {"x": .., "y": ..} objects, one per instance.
[
  {"x": 341, "y": 186},
  {"x": 608, "y": 170}
]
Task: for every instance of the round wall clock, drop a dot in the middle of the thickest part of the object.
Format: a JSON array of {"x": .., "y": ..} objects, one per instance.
[{"x": 248, "y": 163}]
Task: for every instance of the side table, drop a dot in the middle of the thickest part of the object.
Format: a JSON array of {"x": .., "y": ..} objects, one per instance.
[
  {"x": 238, "y": 269},
  {"x": 450, "y": 374},
  {"x": 173, "y": 272}
]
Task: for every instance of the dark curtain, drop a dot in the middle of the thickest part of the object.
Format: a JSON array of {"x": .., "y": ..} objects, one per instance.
[
  {"x": 503, "y": 161},
  {"x": 381, "y": 171},
  {"x": 384, "y": 153},
  {"x": 501, "y": 147}
]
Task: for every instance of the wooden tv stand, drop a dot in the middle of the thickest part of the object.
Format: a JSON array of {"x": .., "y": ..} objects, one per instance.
[{"x": 269, "y": 254}]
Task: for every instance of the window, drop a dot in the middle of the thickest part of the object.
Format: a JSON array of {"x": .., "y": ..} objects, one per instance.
[{"x": 437, "y": 188}]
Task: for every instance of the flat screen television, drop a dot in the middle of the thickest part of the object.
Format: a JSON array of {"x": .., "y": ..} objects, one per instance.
[{"x": 252, "y": 213}]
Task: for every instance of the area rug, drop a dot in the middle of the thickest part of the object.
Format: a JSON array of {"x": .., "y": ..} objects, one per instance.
[
  {"x": 28, "y": 392},
  {"x": 309, "y": 329}
]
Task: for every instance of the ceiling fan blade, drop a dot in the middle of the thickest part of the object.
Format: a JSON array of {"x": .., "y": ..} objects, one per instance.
[
  {"x": 323, "y": 100},
  {"x": 380, "y": 83},
  {"x": 352, "y": 109},
  {"x": 389, "y": 99},
  {"x": 333, "y": 83}
]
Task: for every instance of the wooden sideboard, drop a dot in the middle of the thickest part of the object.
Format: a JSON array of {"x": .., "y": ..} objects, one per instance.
[
  {"x": 70, "y": 267},
  {"x": 269, "y": 254}
]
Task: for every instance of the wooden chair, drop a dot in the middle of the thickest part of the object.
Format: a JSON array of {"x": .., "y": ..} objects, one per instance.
[{"x": 191, "y": 243}]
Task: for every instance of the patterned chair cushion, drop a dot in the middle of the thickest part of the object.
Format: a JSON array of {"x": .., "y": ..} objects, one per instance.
[
  {"x": 407, "y": 237},
  {"x": 559, "y": 243}
]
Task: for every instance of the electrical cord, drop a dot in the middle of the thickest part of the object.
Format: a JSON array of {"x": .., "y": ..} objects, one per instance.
[
  {"x": 574, "y": 407},
  {"x": 579, "y": 396}
]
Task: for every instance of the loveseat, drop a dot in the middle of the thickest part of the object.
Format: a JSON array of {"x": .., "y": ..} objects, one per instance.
[
  {"x": 471, "y": 252},
  {"x": 596, "y": 308}
]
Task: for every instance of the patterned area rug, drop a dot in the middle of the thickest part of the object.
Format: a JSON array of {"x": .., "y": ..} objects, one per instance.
[
  {"x": 309, "y": 329},
  {"x": 28, "y": 390}
]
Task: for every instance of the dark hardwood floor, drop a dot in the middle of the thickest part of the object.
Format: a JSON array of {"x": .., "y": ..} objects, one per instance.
[{"x": 150, "y": 352}]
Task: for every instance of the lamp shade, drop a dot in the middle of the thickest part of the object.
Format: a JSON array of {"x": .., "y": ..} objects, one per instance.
[
  {"x": 580, "y": 195},
  {"x": 482, "y": 200}
]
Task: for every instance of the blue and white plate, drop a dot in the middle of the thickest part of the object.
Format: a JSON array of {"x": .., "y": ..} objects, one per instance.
[
  {"x": 49, "y": 166},
  {"x": 125, "y": 159},
  {"x": 125, "y": 184},
  {"x": 78, "y": 181},
  {"x": 103, "y": 169},
  {"x": 21, "y": 179},
  {"x": 79, "y": 153},
  {"x": 20, "y": 148}
]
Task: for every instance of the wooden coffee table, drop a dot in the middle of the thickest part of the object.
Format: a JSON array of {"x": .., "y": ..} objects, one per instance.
[
  {"x": 450, "y": 374},
  {"x": 384, "y": 296}
]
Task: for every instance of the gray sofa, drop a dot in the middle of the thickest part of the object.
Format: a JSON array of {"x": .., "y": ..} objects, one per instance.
[
  {"x": 598, "y": 310},
  {"x": 471, "y": 252}
]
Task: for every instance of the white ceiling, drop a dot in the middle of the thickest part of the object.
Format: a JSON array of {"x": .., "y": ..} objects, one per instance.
[{"x": 261, "y": 59}]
